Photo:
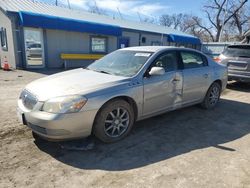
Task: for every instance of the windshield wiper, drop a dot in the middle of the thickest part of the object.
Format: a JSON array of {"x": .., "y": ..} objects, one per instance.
[
  {"x": 104, "y": 72},
  {"x": 101, "y": 71}
]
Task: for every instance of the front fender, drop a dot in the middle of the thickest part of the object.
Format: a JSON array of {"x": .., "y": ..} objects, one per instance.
[{"x": 95, "y": 102}]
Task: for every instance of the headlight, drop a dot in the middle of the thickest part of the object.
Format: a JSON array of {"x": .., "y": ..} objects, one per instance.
[{"x": 65, "y": 104}]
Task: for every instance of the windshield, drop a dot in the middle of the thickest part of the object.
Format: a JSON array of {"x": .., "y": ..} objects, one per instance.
[
  {"x": 237, "y": 51},
  {"x": 121, "y": 63}
]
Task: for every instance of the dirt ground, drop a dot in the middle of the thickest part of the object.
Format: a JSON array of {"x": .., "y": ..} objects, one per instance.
[{"x": 191, "y": 147}]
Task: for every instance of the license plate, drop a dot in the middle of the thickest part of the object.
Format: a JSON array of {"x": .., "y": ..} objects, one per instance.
[
  {"x": 20, "y": 115},
  {"x": 238, "y": 65}
]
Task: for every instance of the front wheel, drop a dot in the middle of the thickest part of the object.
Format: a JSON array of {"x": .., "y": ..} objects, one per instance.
[
  {"x": 212, "y": 96},
  {"x": 114, "y": 121},
  {"x": 37, "y": 137}
]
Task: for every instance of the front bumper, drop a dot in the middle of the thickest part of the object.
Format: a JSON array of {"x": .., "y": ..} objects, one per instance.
[
  {"x": 57, "y": 126},
  {"x": 242, "y": 76}
]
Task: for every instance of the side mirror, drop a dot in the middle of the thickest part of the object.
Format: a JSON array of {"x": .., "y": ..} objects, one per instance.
[{"x": 157, "y": 71}]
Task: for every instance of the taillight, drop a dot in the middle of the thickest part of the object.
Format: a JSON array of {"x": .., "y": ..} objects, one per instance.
[{"x": 217, "y": 59}]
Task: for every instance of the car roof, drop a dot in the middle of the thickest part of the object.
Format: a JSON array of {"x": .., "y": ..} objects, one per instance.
[{"x": 156, "y": 48}]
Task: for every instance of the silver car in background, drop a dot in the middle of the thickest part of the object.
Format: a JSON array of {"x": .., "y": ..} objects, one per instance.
[
  {"x": 237, "y": 58},
  {"x": 106, "y": 98}
]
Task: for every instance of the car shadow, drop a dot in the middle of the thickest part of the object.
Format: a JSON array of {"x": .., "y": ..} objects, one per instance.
[
  {"x": 163, "y": 137},
  {"x": 239, "y": 86}
]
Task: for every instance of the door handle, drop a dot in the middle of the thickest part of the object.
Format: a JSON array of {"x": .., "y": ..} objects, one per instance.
[
  {"x": 205, "y": 75},
  {"x": 175, "y": 80}
]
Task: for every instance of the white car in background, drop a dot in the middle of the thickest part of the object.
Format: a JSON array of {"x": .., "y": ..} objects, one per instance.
[{"x": 34, "y": 50}]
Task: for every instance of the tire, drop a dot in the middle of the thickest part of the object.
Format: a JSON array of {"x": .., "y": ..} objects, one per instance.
[
  {"x": 212, "y": 97},
  {"x": 114, "y": 121}
]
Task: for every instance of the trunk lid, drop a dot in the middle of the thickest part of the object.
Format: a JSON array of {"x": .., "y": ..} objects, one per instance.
[{"x": 237, "y": 57}]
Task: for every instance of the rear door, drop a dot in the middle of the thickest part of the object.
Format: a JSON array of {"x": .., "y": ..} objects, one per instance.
[
  {"x": 163, "y": 92},
  {"x": 196, "y": 75}
]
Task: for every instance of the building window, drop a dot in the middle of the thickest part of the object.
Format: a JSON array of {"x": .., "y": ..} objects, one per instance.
[
  {"x": 156, "y": 43},
  {"x": 143, "y": 39},
  {"x": 99, "y": 44},
  {"x": 3, "y": 35}
]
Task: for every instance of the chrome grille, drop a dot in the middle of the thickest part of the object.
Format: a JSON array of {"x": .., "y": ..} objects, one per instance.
[{"x": 29, "y": 100}]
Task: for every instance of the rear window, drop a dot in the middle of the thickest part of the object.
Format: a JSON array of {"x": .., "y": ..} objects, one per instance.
[{"x": 237, "y": 51}]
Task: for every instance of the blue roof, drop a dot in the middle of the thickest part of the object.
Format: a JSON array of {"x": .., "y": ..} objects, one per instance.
[
  {"x": 28, "y": 19},
  {"x": 183, "y": 39}
]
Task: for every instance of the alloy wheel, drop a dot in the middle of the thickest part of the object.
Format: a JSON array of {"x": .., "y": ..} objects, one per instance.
[
  {"x": 214, "y": 96},
  {"x": 117, "y": 122}
]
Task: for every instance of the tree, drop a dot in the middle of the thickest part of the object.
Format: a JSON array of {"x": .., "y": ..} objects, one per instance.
[
  {"x": 204, "y": 28},
  {"x": 241, "y": 22},
  {"x": 223, "y": 17},
  {"x": 93, "y": 8},
  {"x": 166, "y": 20},
  {"x": 186, "y": 23},
  {"x": 220, "y": 13},
  {"x": 181, "y": 22},
  {"x": 148, "y": 20}
]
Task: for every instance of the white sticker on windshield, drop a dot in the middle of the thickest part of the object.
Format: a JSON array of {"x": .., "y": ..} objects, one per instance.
[{"x": 142, "y": 54}]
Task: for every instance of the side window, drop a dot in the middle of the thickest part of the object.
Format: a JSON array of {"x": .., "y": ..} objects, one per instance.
[
  {"x": 98, "y": 44},
  {"x": 3, "y": 35},
  {"x": 192, "y": 60},
  {"x": 168, "y": 61},
  {"x": 156, "y": 43}
]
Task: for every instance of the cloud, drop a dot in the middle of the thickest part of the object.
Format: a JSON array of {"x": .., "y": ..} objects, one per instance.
[
  {"x": 79, "y": 3},
  {"x": 126, "y": 7},
  {"x": 150, "y": 9}
]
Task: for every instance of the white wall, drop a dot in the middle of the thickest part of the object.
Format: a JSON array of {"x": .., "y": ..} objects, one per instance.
[
  {"x": 71, "y": 42},
  {"x": 153, "y": 38},
  {"x": 10, "y": 53},
  {"x": 133, "y": 38}
]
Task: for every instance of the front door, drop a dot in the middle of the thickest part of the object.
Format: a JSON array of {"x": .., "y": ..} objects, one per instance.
[
  {"x": 34, "y": 48},
  {"x": 123, "y": 42},
  {"x": 163, "y": 92}
]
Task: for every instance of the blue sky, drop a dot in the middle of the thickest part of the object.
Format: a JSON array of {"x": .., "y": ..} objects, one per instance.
[{"x": 145, "y": 8}]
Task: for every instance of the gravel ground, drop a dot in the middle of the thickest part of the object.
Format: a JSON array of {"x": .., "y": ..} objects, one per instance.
[{"x": 190, "y": 147}]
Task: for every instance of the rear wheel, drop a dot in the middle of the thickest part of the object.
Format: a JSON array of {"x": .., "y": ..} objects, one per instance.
[
  {"x": 114, "y": 121},
  {"x": 212, "y": 96}
]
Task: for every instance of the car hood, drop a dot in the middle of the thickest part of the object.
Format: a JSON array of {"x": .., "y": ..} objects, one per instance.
[{"x": 78, "y": 81}]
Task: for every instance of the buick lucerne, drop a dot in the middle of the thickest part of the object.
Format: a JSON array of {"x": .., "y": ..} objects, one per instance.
[{"x": 107, "y": 97}]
